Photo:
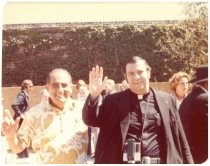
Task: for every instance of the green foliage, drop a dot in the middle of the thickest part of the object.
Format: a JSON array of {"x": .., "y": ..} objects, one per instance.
[
  {"x": 196, "y": 10},
  {"x": 32, "y": 53}
]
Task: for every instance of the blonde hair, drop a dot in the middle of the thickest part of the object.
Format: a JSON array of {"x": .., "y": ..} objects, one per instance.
[{"x": 176, "y": 77}]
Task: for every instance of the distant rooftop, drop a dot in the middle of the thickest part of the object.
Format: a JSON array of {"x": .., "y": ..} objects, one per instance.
[{"x": 81, "y": 24}]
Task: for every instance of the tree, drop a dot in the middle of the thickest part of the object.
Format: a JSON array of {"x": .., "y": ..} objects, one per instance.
[{"x": 196, "y": 27}]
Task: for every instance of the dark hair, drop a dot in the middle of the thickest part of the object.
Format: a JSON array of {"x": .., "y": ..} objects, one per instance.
[
  {"x": 134, "y": 60},
  {"x": 80, "y": 83}
]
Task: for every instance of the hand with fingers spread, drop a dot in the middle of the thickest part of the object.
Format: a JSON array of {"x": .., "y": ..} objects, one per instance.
[
  {"x": 96, "y": 82},
  {"x": 9, "y": 126}
]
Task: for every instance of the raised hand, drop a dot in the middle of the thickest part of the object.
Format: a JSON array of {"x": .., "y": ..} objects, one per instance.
[
  {"x": 9, "y": 126},
  {"x": 96, "y": 82}
]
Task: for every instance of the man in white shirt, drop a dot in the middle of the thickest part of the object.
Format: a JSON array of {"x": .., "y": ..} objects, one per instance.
[{"x": 55, "y": 128}]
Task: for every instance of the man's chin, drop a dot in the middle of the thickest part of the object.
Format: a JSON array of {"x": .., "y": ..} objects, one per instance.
[
  {"x": 61, "y": 100},
  {"x": 139, "y": 91},
  {"x": 140, "y": 88}
]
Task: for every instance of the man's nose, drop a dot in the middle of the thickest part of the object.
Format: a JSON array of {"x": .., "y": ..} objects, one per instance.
[
  {"x": 137, "y": 75},
  {"x": 60, "y": 87}
]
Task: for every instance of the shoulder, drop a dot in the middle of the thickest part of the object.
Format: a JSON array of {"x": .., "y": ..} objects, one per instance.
[
  {"x": 162, "y": 94},
  {"x": 41, "y": 106},
  {"x": 20, "y": 99},
  {"x": 202, "y": 97},
  {"x": 21, "y": 95},
  {"x": 196, "y": 96},
  {"x": 37, "y": 109},
  {"x": 201, "y": 102}
]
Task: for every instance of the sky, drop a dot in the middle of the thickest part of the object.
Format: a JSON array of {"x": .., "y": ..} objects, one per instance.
[{"x": 46, "y": 12}]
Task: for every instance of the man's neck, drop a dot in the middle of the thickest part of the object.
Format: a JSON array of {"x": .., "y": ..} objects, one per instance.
[
  {"x": 59, "y": 107},
  {"x": 143, "y": 92},
  {"x": 180, "y": 97}
]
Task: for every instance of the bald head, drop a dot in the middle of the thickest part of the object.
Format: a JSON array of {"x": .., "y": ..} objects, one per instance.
[{"x": 63, "y": 72}]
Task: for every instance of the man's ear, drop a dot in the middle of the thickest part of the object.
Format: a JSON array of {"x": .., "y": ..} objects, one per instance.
[
  {"x": 125, "y": 77},
  {"x": 149, "y": 73}
]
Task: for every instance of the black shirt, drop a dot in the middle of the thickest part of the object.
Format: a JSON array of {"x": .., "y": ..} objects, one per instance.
[{"x": 146, "y": 112}]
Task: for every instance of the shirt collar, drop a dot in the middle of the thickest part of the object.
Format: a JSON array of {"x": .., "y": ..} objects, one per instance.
[
  {"x": 25, "y": 93},
  {"x": 144, "y": 97},
  {"x": 141, "y": 97},
  {"x": 69, "y": 105}
]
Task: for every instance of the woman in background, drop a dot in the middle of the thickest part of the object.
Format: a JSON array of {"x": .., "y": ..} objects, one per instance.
[{"x": 179, "y": 86}]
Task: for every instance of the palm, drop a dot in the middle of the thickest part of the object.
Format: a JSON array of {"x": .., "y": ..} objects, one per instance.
[
  {"x": 96, "y": 82},
  {"x": 9, "y": 126}
]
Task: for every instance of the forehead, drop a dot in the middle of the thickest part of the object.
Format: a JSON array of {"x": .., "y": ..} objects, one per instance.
[
  {"x": 59, "y": 76},
  {"x": 30, "y": 83},
  {"x": 137, "y": 66},
  {"x": 183, "y": 79}
]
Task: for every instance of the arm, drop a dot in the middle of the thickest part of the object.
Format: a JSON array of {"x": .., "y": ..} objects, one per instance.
[
  {"x": 96, "y": 86},
  {"x": 9, "y": 129},
  {"x": 89, "y": 112}
]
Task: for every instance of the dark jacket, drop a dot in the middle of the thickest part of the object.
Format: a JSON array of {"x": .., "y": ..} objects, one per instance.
[
  {"x": 20, "y": 104},
  {"x": 194, "y": 116},
  {"x": 113, "y": 121}
]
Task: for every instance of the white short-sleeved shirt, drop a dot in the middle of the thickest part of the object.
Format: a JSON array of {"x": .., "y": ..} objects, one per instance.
[{"x": 57, "y": 136}]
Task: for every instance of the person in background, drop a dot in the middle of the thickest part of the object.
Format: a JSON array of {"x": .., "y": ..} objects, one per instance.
[
  {"x": 123, "y": 85},
  {"x": 109, "y": 88},
  {"x": 194, "y": 115},
  {"x": 82, "y": 89},
  {"x": 56, "y": 129},
  {"x": 180, "y": 87},
  {"x": 83, "y": 93},
  {"x": 138, "y": 125},
  {"x": 20, "y": 105}
]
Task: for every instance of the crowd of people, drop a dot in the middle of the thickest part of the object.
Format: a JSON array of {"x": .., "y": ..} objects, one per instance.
[{"x": 102, "y": 125}]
